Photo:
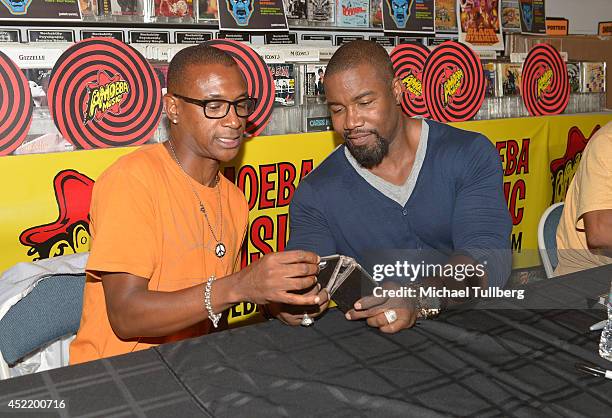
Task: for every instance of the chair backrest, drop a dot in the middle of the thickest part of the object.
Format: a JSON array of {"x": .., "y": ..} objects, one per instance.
[
  {"x": 547, "y": 237},
  {"x": 51, "y": 310}
]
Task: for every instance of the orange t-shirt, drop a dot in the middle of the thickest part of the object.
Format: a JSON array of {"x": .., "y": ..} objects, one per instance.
[{"x": 146, "y": 220}]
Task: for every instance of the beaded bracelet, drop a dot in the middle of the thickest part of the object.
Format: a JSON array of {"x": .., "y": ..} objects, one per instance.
[{"x": 207, "y": 303}]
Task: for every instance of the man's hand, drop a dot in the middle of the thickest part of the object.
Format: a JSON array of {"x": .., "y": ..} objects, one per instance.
[
  {"x": 373, "y": 309},
  {"x": 278, "y": 276},
  {"x": 292, "y": 315}
]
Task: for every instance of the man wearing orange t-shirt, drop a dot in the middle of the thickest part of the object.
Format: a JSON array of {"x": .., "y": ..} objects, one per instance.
[{"x": 167, "y": 227}]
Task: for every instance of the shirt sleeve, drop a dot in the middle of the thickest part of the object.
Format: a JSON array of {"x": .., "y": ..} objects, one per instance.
[
  {"x": 122, "y": 220},
  {"x": 308, "y": 227},
  {"x": 481, "y": 221},
  {"x": 595, "y": 179}
]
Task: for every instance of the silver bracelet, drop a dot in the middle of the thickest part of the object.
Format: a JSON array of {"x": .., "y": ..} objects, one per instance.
[{"x": 208, "y": 305}]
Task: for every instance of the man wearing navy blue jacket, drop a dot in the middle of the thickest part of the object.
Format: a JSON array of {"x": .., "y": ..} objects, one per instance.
[{"x": 399, "y": 183}]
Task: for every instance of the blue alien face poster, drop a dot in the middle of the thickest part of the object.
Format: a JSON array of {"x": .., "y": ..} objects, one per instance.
[
  {"x": 252, "y": 15},
  {"x": 408, "y": 16}
]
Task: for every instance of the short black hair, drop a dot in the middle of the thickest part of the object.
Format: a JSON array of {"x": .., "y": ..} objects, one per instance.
[
  {"x": 355, "y": 53},
  {"x": 195, "y": 55}
]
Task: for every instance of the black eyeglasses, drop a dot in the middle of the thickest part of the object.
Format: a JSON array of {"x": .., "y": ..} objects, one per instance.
[{"x": 219, "y": 108}]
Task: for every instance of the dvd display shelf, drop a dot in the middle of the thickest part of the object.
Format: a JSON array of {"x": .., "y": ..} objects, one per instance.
[{"x": 311, "y": 116}]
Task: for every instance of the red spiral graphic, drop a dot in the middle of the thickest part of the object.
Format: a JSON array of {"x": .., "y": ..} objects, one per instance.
[
  {"x": 545, "y": 86},
  {"x": 408, "y": 63},
  {"x": 15, "y": 106},
  {"x": 259, "y": 81},
  {"x": 86, "y": 77},
  {"x": 454, "y": 83}
]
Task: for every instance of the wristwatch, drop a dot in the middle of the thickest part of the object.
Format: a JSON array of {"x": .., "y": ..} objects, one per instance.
[{"x": 428, "y": 308}]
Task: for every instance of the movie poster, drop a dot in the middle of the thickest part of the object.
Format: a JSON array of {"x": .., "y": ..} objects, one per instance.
[
  {"x": 408, "y": 16},
  {"x": 295, "y": 9},
  {"x": 40, "y": 9},
  {"x": 354, "y": 13},
  {"x": 314, "y": 76},
  {"x": 446, "y": 16},
  {"x": 479, "y": 24},
  {"x": 284, "y": 83},
  {"x": 322, "y": 10},
  {"x": 252, "y": 15},
  {"x": 533, "y": 16},
  {"x": 510, "y": 16},
  {"x": 173, "y": 8}
]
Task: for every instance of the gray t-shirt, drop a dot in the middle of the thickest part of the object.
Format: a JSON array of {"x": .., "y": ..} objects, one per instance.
[{"x": 402, "y": 193}]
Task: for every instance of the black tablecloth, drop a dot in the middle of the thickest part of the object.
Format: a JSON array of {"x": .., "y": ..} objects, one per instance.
[{"x": 494, "y": 358}]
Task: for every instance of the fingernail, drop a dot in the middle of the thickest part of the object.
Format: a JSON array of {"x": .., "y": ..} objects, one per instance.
[
  {"x": 347, "y": 315},
  {"x": 317, "y": 299},
  {"x": 319, "y": 287},
  {"x": 357, "y": 305}
]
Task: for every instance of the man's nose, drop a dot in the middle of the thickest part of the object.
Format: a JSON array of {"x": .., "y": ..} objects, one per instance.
[{"x": 353, "y": 119}]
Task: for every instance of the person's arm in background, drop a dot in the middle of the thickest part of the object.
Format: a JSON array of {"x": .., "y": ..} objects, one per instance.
[
  {"x": 594, "y": 211},
  {"x": 308, "y": 230},
  {"x": 598, "y": 229}
]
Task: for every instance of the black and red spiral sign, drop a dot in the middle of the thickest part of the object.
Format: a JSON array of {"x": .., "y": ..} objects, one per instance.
[
  {"x": 103, "y": 93},
  {"x": 545, "y": 86},
  {"x": 409, "y": 64},
  {"x": 15, "y": 106},
  {"x": 259, "y": 82},
  {"x": 454, "y": 83}
]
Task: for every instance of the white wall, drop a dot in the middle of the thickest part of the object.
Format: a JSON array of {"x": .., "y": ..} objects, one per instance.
[{"x": 583, "y": 15}]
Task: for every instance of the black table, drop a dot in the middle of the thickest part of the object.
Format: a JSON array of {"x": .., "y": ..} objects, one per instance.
[{"x": 494, "y": 358}]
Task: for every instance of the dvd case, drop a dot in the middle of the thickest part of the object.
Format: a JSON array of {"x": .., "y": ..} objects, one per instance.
[
  {"x": 321, "y": 10},
  {"x": 38, "y": 80},
  {"x": 353, "y": 13},
  {"x": 376, "y": 13},
  {"x": 208, "y": 10},
  {"x": 490, "y": 74},
  {"x": 296, "y": 9},
  {"x": 284, "y": 83},
  {"x": 314, "y": 75},
  {"x": 509, "y": 78},
  {"x": 172, "y": 10},
  {"x": 89, "y": 8},
  {"x": 593, "y": 77},
  {"x": 127, "y": 8},
  {"x": 574, "y": 76}
]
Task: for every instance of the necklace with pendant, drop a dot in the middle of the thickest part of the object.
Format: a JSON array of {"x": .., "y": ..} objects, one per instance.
[{"x": 220, "y": 247}]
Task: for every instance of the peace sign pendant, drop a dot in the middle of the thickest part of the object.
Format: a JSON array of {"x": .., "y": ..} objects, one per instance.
[{"x": 220, "y": 250}]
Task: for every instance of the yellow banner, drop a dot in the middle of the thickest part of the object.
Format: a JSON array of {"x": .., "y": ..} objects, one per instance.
[{"x": 46, "y": 196}]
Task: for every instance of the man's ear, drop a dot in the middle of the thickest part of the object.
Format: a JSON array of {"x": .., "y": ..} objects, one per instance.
[
  {"x": 398, "y": 89},
  {"x": 171, "y": 107}
]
